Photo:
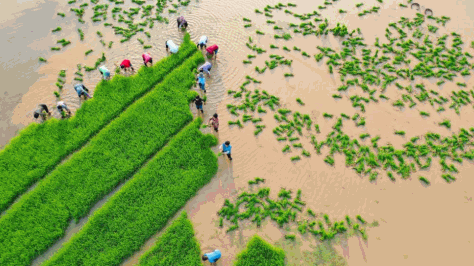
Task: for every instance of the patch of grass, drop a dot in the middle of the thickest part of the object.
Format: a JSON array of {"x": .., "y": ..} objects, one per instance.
[
  {"x": 179, "y": 237},
  {"x": 424, "y": 113},
  {"x": 400, "y": 132},
  {"x": 56, "y": 29},
  {"x": 56, "y": 93},
  {"x": 259, "y": 252},
  {"x": 288, "y": 75},
  {"x": 445, "y": 123},
  {"x": 424, "y": 180},
  {"x": 61, "y": 14},
  {"x": 55, "y": 48},
  {"x": 256, "y": 181},
  {"x": 326, "y": 115},
  {"x": 88, "y": 52},
  {"x": 81, "y": 34},
  {"x": 41, "y": 59},
  {"x": 298, "y": 100}
]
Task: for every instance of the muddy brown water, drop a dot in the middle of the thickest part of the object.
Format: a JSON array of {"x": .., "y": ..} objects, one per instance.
[{"x": 418, "y": 225}]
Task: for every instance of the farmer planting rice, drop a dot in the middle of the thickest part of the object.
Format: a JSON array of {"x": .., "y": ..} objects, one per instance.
[
  {"x": 126, "y": 64},
  {"x": 212, "y": 257},
  {"x": 182, "y": 23},
  {"x": 82, "y": 90},
  {"x": 214, "y": 122},
  {"x": 173, "y": 48},
  {"x": 226, "y": 149},
  {"x": 147, "y": 59},
  {"x": 62, "y": 107},
  {"x": 105, "y": 72},
  {"x": 206, "y": 68},
  {"x": 201, "y": 80},
  {"x": 202, "y": 42},
  {"x": 212, "y": 50},
  {"x": 42, "y": 111},
  {"x": 198, "y": 101}
]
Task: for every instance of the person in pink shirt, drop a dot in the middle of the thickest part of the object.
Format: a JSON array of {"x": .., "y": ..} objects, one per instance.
[
  {"x": 147, "y": 59},
  {"x": 212, "y": 50}
]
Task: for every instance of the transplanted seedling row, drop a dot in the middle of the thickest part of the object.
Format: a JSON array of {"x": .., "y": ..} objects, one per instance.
[{"x": 284, "y": 210}]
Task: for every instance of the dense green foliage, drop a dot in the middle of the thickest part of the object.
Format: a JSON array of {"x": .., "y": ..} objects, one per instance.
[
  {"x": 177, "y": 246},
  {"x": 111, "y": 157},
  {"x": 145, "y": 204},
  {"x": 40, "y": 147},
  {"x": 260, "y": 253}
]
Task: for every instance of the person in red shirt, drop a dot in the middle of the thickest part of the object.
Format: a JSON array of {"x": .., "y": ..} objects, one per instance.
[
  {"x": 126, "y": 64},
  {"x": 212, "y": 50}
]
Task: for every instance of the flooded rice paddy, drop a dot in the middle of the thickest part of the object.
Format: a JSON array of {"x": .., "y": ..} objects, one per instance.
[{"x": 418, "y": 225}]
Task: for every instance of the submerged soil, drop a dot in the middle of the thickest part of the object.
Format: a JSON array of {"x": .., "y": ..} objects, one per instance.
[{"x": 418, "y": 225}]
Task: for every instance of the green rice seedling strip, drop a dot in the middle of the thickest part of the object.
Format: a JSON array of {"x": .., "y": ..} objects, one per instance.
[
  {"x": 424, "y": 180},
  {"x": 177, "y": 246},
  {"x": 144, "y": 206},
  {"x": 111, "y": 157},
  {"x": 256, "y": 181},
  {"x": 260, "y": 253},
  {"x": 38, "y": 148}
]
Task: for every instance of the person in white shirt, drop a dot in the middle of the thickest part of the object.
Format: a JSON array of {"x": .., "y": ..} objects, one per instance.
[
  {"x": 63, "y": 107},
  {"x": 202, "y": 42},
  {"x": 173, "y": 48}
]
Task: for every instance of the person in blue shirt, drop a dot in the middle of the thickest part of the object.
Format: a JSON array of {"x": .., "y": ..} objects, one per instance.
[
  {"x": 82, "y": 91},
  {"x": 227, "y": 149},
  {"x": 213, "y": 257},
  {"x": 201, "y": 80}
]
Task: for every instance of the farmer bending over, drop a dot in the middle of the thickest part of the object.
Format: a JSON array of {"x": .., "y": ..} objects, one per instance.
[
  {"x": 82, "y": 90},
  {"x": 173, "y": 48},
  {"x": 126, "y": 64},
  {"x": 214, "y": 121},
  {"x": 201, "y": 80},
  {"x": 226, "y": 149},
  {"x": 63, "y": 107},
  {"x": 42, "y": 111},
  {"x": 182, "y": 23},
  {"x": 147, "y": 59},
  {"x": 212, "y": 50},
  {"x": 105, "y": 72},
  {"x": 198, "y": 101},
  {"x": 206, "y": 68},
  {"x": 202, "y": 42},
  {"x": 213, "y": 257}
]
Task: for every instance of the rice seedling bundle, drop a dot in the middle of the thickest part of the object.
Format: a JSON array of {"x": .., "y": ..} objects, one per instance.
[
  {"x": 80, "y": 173},
  {"x": 46, "y": 144}
]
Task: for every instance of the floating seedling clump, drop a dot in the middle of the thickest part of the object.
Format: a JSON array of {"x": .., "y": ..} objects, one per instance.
[{"x": 284, "y": 211}]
